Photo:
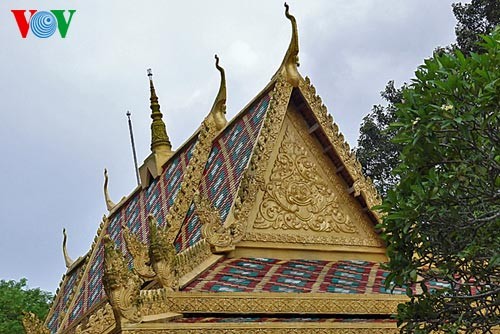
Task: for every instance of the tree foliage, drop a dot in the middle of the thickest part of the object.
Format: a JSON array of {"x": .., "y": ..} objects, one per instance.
[
  {"x": 16, "y": 298},
  {"x": 376, "y": 151},
  {"x": 443, "y": 216},
  {"x": 479, "y": 17}
]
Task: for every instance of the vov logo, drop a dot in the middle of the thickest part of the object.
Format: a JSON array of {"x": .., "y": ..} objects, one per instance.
[{"x": 43, "y": 24}]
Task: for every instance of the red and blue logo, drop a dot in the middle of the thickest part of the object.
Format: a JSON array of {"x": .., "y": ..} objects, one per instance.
[{"x": 43, "y": 24}]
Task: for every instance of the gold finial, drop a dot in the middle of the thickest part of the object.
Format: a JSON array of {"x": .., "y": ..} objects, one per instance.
[
  {"x": 159, "y": 137},
  {"x": 219, "y": 107},
  {"x": 291, "y": 60},
  {"x": 67, "y": 259},
  {"x": 109, "y": 203}
]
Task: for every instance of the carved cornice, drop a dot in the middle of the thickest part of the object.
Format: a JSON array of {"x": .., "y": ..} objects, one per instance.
[
  {"x": 101, "y": 322},
  {"x": 362, "y": 185},
  {"x": 311, "y": 239},
  {"x": 155, "y": 302}
]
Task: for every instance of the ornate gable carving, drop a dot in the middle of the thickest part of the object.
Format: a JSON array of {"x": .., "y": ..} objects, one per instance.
[
  {"x": 303, "y": 200},
  {"x": 298, "y": 197}
]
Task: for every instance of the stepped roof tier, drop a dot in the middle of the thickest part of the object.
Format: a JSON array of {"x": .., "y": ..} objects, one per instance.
[{"x": 262, "y": 224}]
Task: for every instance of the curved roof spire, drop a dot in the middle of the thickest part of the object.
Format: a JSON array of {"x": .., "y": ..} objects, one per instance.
[
  {"x": 218, "y": 111},
  {"x": 109, "y": 203},
  {"x": 291, "y": 60},
  {"x": 68, "y": 261},
  {"x": 159, "y": 138}
]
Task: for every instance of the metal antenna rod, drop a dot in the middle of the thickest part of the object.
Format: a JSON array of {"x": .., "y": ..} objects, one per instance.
[{"x": 133, "y": 147}]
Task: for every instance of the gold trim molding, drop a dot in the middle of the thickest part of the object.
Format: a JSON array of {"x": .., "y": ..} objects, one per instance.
[
  {"x": 161, "y": 301},
  {"x": 268, "y": 328}
]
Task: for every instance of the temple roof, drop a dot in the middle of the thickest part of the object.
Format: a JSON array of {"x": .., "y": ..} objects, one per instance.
[{"x": 215, "y": 214}]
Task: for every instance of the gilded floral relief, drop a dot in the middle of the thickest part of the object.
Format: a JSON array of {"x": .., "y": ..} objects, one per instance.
[{"x": 297, "y": 196}]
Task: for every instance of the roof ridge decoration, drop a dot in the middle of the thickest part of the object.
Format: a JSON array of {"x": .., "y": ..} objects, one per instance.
[
  {"x": 109, "y": 203},
  {"x": 288, "y": 67},
  {"x": 218, "y": 111},
  {"x": 123, "y": 285},
  {"x": 168, "y": 266},
  {"x": 67, "y": 260}
]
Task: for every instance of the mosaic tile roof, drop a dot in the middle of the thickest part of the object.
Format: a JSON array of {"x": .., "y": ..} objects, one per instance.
[
  {"x": 307, "y": 276},
  {"x": 65, "y": 292},
  {"x": 226, "y": 162},
  {"x": 228, "y": 158}
]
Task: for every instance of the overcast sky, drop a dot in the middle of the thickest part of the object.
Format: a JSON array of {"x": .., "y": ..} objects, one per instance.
[{"x": 63, "y": 101}]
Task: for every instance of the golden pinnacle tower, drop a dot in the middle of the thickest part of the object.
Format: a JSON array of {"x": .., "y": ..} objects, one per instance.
[
  {"x": 161, "y": 149},
  {"x": 260, "y": 224},
  {"x": 159, "y": 138}
]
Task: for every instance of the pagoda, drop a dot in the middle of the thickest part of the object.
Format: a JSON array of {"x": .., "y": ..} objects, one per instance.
[{"x": 260, "y": 224}]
